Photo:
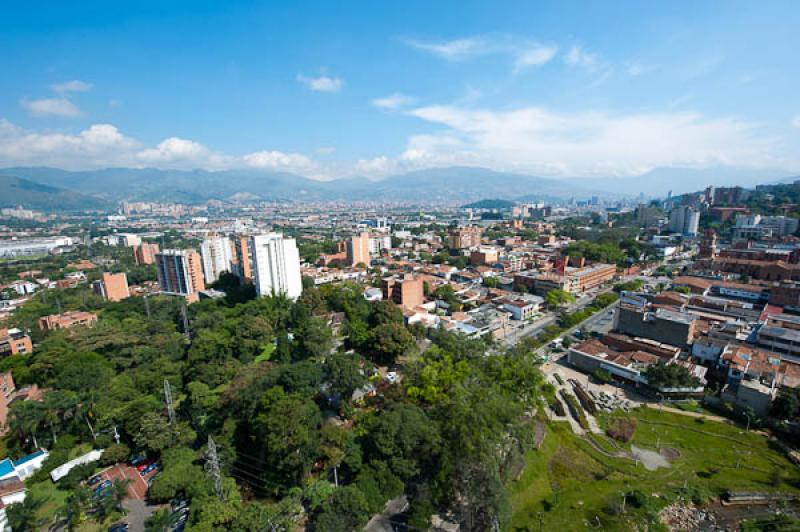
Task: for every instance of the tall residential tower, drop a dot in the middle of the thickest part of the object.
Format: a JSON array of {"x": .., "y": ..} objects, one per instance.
[{"x": 276, "y": 265}]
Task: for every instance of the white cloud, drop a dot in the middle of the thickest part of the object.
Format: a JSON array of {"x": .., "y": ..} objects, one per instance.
[
  {"x": 547, "y": 142},
  {"x": 278, "y": 160},
  {"x": 326, "y": 150},
  {"x": 524, "y": 52},
  {"x": 535, "y": 56},
  {"x": 457, "y": 49},
  {"x": 174, "y": 149},
  {"x": 577, "y": 56},
  {"x": 102, "y": 146},
  {"x": 636, "y": 68},
  {"x": 322, "y": 83},
  {"x": 50, "y": 107},
  {"x": 393, "y": 101},
  {"x": 97, "y": 146},
  {"x": 796, "y": 121},
  {"x": 74, "y": 85},
  {"x": 378, "y": 166}
]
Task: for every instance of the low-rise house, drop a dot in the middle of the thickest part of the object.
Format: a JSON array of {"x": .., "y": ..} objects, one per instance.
[
  {"x": 9, "y": 394},
  {"x": 12, "y": 491},
  {"x": 24, "y": 467},
  {"x": 521, "y": 307},
  {"x": 781, "y": 334},
  {"x": 660, "y": 324},
  {"x": 626, "y": 365},
  {"x": 14, "y": 342},
  {"x": 67, "y": 320}
]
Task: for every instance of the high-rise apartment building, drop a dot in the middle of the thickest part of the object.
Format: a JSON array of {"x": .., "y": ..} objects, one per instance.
[
  {"x": 180, "y": 272},
  {"x": 465, "y": 238},
  {"x": 145, "y": 253},
  {"x": 112, "y": 286},
  {"x": 217, "y": 257},
  {"x": 379, "y": 243},
  {"x": 242, "y": 258},
  {"x": 358, "y": 249},
  {"x": 276, "y": 265},
  {"x": 684, "y": 220},
  {"x": 408, "y": 291}
]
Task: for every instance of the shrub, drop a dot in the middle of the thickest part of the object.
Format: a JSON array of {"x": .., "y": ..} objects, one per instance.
[
  {"x": 622, "y": 429},
  {"x": 602, "y": 375}
]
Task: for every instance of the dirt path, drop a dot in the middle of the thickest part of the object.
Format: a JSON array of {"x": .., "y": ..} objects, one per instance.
[{"x": 657, "y": 406}]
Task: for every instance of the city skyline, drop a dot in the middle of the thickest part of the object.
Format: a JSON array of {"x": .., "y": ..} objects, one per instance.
[{"x": 559, "y": 90}]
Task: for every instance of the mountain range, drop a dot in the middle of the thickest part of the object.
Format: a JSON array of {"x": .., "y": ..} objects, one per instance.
[
  {"x": 435, "y": 185},
  {"x": 16, "y": 191}
]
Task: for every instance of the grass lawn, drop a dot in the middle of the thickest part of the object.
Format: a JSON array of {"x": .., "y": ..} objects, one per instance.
[
  {"x": 53, "y": 497},
  {"x": 568, "y": 483}
]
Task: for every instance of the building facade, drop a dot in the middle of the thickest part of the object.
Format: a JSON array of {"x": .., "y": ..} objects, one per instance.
[
  {"x": 112, "y": 286},
  {"x": 180, "y": 272},
  {"x": 276, "y": 265},
  {"x": 358, "y": 250},
  {"x": 145, "y": 253},
  {"x": 217, "y": 257},
  {"x": 465, "y": 238}
]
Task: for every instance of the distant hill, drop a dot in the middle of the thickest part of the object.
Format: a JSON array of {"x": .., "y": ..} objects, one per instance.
[
  {"x": 434, "y": 185},
  {"x": 31, "y": 195},
  {"x": 659, "y": 181},
  {"x": 473, "y": 184},
  {"x": 438, "y": 184},
  {"x": 490, "y": 204}
]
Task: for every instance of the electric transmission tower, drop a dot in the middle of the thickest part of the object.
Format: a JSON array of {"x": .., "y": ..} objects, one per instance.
[
  {"x": 168, "y": 400},
  {"x": 212, "y": 468}
]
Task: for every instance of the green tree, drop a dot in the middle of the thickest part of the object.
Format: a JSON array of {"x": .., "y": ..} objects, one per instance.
[
  {"x": 161, "y": 521},
  {"x": 383, "y": 312},
  {"x": 289, "y": 448},
  {"x": 389, "y": 342},
  {"x": 345, "y": 374},
  {"x": 155, "y": 433},
  {"x": 557, "y": 297},
  {"x": 180, "y": 475},
  {"x": 346, "y": 511},
  {"x": 23, "y": 516},
  {"x": 314, "y": 338},
  {"x": 403, "y": 437},
  {"x": 663, "y": 375}
]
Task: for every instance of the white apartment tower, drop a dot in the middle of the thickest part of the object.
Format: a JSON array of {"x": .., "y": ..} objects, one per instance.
[
  {"x": 276, "y": 265},
  {"x": 216, "y": 252}
]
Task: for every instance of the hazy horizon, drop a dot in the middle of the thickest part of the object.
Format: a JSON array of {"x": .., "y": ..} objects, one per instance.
[{"x": 552, "y": 90}]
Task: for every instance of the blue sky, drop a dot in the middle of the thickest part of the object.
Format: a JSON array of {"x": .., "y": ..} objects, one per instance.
[{"x": 333, "y": 89}]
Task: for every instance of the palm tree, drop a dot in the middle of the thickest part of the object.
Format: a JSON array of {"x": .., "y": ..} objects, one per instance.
[
  {"x": 161, "y": 521},
  {"x": 22, "y": 516},
  {"x": 74, "y": 507},
  {"x": 24, "y": 420}
]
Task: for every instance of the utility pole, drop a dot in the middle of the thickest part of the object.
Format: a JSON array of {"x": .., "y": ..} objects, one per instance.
[
  {"x": 147, "y": 306},
  {"x": 186, "y": 323},
  {"x": 116, "y": 435},
  {"x": 168, "y": 400},
  {"x": 58, "y": 305},
  {"x": 212, "y": 468}
]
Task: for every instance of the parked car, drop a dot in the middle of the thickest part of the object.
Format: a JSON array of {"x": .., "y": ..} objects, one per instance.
[
  {"x": 145, "y": 464},
  {"x": 148, "y": 469},
  {"x": 105, "y": 484},
  {"x": 136, "y": 460},
  {"x": 178, "y": 504},
  {"x": 118, "y": 527},
  {"x": 94, "y": 480}
]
